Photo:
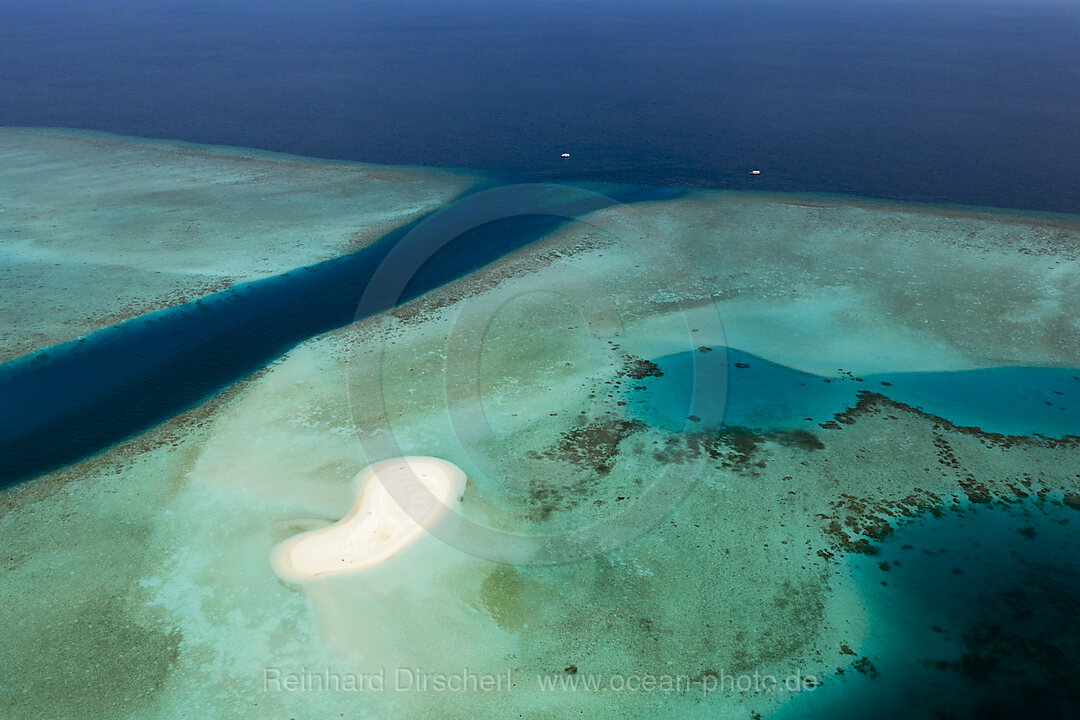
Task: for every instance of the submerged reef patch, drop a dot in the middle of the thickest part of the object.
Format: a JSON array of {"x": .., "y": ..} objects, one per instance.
[
  {"x": 593, "y": 445},
  {"x": 121, "y": 226},
  {"x": 856, "y": 523}
]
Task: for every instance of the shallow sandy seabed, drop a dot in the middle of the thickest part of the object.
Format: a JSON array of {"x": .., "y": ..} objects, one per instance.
[
  {"x": 98, "y": 228},
  {"x": 138, "y": 583}
]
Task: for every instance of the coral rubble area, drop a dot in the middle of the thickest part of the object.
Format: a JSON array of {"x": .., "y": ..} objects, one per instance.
[{"x": 138, "y": 583}]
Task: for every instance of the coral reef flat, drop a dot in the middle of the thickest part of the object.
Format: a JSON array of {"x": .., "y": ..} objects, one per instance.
[
  {"x": 149, "y": 564},
  {"x": 98, "y": 228}
]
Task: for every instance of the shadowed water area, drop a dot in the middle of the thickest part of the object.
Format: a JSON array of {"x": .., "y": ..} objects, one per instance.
[{"x": 973, "y": 617}]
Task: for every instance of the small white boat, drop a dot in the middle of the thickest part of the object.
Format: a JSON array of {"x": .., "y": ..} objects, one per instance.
[
  {"x": 755, "y": 172},
  {"x": 565, "y": 155}
]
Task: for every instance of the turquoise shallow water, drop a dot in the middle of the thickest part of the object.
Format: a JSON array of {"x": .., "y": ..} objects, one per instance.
[{"x": 713, "y": 387}]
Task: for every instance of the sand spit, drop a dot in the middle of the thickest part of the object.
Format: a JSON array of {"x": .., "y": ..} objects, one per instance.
[
  {"x": 98, "y": 228},
  {"x": 397, "y": 501},
  {"x": 748, "y": 575}
]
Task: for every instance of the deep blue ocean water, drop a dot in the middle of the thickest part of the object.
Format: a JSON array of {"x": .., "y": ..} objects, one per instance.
[{"x": 965, "y": 101}]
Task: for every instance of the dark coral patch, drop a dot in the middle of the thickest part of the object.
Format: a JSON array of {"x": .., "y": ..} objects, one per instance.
[
  {"x": 802, "y": 439},
  {"x": 639, "y": 368},
  {"x": 593, "y": 445}
]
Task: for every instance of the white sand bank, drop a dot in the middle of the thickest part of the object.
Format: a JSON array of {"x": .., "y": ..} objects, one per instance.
[{"x": 397, "y": 501}]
